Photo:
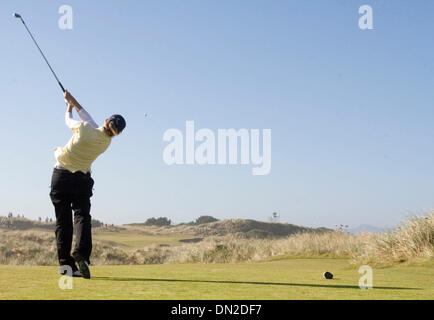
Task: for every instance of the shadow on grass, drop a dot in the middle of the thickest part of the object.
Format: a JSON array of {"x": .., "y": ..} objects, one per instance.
[{"x": 249, "y": 282}]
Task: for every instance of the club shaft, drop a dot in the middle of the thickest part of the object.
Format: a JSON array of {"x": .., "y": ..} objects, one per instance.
[{"x": 54, "y": 74}]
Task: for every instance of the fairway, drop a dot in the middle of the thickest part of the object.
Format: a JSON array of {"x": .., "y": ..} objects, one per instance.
[
  {"x": 277, "y": 279},
  {"x": 130, "y": 240}
]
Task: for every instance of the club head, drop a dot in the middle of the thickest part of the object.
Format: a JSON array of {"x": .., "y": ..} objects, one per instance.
[{"x": 16, "y": 15}]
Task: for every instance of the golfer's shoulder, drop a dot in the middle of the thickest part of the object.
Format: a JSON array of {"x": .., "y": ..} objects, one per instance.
[
  {"x": 86, "y": 125},
  {"x": 86, "y": 128},
  {"x": 97, "y": 133}
]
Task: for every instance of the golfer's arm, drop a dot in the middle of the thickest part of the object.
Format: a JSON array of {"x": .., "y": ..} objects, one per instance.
[
  {"x": 75, "y": 104},
  {"x": 86, "y": 117},
  {"x": 70, "y": 122},
  {"x": 81, "y": 112}
]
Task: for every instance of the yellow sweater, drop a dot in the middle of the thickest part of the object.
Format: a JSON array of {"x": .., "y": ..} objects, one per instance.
[{"x": 83, "y": 148}]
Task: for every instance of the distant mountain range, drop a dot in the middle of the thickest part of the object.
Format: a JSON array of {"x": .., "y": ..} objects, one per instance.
[{"x": 365, "y": 228}]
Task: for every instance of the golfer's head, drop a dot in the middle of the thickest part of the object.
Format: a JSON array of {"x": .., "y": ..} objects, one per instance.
[{"x": 115, "y": 124}]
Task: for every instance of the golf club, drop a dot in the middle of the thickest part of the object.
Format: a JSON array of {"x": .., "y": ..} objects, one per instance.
[{"x": 16, "y": 15}]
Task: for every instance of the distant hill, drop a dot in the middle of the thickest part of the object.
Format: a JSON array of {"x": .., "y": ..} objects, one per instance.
[
  {"x": 25, "y": 224},
  {"x": 16, "y": 223},
  {"x": 245, "y": 228},
  {"x": 241, "y": 227},
  {"x": 365, "y": 228}
]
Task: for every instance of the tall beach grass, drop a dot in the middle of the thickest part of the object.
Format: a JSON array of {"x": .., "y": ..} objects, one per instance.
[{"x": 413, "y": 241}]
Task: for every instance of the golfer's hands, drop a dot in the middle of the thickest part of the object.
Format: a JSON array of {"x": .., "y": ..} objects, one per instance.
[
  {"x": 68, "y": 97},
  {"x": 71, "y": 100}
]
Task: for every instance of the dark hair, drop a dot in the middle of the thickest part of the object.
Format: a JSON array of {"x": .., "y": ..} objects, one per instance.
[{"x": 118, "y": 123}]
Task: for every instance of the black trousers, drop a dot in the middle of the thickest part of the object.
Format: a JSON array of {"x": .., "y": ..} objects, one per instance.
[{"x": 71, "y": 192}]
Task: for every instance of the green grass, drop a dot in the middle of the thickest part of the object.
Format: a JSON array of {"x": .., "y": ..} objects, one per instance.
[
  {"x": 129, "y": 240},
  {"x": 277, "y": 279}
]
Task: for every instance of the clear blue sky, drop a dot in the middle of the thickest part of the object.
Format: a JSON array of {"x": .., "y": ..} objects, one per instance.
[{"x": 351, "y": 111}]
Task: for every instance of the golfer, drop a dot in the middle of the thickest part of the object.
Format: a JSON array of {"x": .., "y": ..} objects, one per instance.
[{"x": 71, "y": 184}]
